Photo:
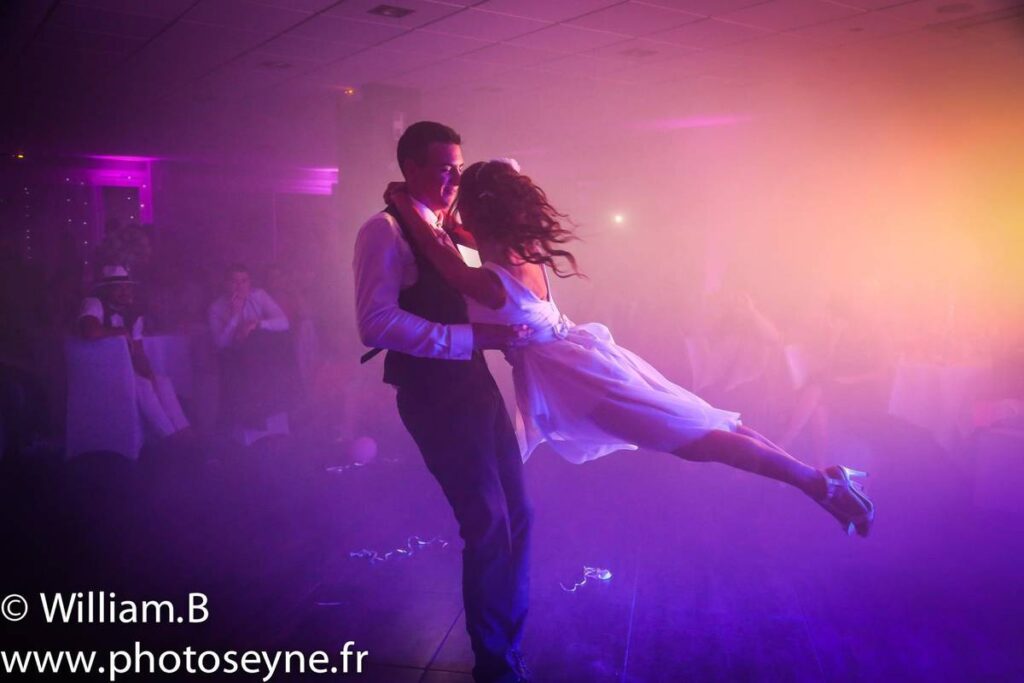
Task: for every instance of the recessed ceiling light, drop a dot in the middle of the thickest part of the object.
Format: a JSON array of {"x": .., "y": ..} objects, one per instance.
[
  {"x": 391, "y": 11},
  {"x": 638, "y": 52}
]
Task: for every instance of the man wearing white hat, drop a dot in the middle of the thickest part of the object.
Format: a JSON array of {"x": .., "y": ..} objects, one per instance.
[{"x": 112, "y": 313}]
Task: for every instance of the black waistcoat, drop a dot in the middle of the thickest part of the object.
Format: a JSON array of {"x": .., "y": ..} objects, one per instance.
[{"x": 433, "y": 299}]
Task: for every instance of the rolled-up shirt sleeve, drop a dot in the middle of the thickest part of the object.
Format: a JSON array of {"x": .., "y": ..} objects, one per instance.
[
  {"x": 378, "y": 265},
  {"x": 272, "y": 318},
  {"x": 91, "y": 307}
]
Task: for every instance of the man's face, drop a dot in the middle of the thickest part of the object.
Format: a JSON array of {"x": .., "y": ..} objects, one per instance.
[
  {"x": 239, "y": 284},
  {"x": 121, "y": 295},
  {"x": 436, "y": 182}
]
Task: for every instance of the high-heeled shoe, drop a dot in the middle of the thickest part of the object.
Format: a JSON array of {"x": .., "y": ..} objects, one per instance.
[{"x": 845, "y": 499}]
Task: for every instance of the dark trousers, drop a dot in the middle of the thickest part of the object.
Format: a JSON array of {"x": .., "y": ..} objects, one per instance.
[
  {"x": 259, "y": 377},
  {"x": 469, "y": 445}
]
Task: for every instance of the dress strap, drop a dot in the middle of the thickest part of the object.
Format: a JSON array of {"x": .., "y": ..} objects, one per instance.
[{"x": 505, "y": 276}]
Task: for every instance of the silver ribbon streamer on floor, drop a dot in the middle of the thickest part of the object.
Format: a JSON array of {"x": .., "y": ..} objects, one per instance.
[
  {"x": 338, "y": 469},
  {"x": 588, "y": 573},
  {"x": 412, "y": 546}
]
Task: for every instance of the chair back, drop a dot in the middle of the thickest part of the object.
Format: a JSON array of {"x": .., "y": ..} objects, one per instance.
[{"x": 103, "y": 413}]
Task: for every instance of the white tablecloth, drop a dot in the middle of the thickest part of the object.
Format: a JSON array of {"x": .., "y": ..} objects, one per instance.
[{"x": 171, "y": 355}]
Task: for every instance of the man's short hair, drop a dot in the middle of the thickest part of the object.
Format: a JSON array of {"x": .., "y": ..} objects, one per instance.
[
  {"x": 418, "y": 137},
  {"x": 235, "y": 268}
]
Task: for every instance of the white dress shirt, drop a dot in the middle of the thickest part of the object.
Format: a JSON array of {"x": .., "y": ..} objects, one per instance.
[
  {"x": 258, "y": 306},
  {"x": 384, "y": 265}
]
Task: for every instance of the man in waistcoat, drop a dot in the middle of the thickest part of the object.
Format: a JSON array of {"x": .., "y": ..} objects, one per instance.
[{"x": 448, "y": 400}]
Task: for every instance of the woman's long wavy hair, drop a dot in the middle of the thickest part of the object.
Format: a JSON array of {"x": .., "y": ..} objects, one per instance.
[{"x": 511, "y": 211}]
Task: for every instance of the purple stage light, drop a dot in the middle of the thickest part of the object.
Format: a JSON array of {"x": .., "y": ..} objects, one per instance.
[
  {"x": 695, "y": 122},
  {"x": 316, "y": 180},
  {"x": 126, "y": 171}
]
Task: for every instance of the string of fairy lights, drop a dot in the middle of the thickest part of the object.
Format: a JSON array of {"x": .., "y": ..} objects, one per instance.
[
  {"x": 77, "y": 221},
  {"x": 35, "y": 210},
  {"x": 27, "y": 212},
  {"x": 48, "y": 214}
]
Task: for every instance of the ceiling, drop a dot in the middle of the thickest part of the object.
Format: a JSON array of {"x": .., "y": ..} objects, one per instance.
[{"x": 158, "y": 51}]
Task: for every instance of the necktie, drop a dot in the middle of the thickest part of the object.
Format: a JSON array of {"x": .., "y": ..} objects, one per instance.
[{"x": 444, "y": 238}]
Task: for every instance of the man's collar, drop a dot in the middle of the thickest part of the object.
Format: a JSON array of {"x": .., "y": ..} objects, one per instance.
[{"x": 428, "y": 215}]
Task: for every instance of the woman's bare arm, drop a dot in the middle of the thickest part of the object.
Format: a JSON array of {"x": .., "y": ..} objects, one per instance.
[
  {"x": 479, "y": 284},
  {"x": 455, "y": 228},
  {"x": 462, "y": 236}
]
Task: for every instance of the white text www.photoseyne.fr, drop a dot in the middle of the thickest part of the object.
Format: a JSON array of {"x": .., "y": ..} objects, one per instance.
[{"x": 189, "y": 661}]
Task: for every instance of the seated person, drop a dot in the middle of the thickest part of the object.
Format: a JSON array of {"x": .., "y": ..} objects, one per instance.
[
  {"x": 259, "y": 376},
  {"x": 242, "y": 310},
  {"x": 112, "y": 313}
]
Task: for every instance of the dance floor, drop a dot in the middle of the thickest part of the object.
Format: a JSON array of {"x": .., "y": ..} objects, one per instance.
[{"x": 715, "y": 575}]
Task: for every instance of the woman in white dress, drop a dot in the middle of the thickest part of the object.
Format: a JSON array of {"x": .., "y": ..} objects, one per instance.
[{"x": 575, "y": 388}]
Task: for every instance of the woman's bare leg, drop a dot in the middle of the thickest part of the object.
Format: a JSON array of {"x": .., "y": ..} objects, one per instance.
[
  {"x": 758, "y": 436},
  {"x": 747, "y": 450}
]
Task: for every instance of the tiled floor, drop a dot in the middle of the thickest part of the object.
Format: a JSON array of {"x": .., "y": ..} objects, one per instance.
[{"x": 717, "y": 575}]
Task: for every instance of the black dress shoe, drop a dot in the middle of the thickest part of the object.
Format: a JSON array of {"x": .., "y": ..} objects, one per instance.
[{"x": 518, "y": 663}]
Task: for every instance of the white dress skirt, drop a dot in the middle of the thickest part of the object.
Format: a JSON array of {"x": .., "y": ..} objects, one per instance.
[{"x": 577, "y": 390}]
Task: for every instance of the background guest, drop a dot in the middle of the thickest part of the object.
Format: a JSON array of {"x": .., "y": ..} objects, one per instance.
[
  {"x": 243, "y": 309},
  {"x": 112, "y": 313},
  {"x": 259, "y": 376}
]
